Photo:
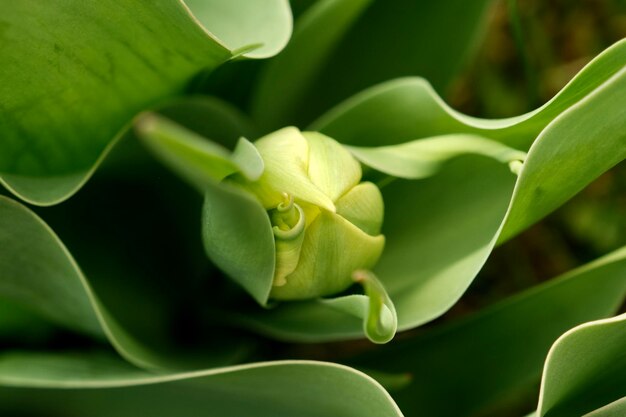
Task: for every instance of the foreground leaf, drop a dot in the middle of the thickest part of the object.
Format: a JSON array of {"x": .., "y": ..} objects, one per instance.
[
  {"x": 283, "y": 388},
  {"x": 64, "y": 102}
]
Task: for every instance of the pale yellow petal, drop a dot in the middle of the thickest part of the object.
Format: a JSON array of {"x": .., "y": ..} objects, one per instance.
[
  {"x": 331, "y": 167},
  {"x": 363, "y": 207}
]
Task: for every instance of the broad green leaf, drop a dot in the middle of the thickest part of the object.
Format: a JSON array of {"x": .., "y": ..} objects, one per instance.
[
  {"x": 238, "y": 237},
  {"x": 578, "y": 146},
  {"x": 75, "y": 74},
  {"x": 586, "y": 370},
  {"x": 436, "y": 242},
  {"x": 281, "y": 388},
  {"x": 342, "y": 46},
  {"x": 38, "y": 273},
  {"x": 408, "y": 108},
  {"x": 492, "y": 361}
]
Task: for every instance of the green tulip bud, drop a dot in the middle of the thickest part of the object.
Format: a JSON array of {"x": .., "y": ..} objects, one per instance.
[{"x": 326, "y": 222}]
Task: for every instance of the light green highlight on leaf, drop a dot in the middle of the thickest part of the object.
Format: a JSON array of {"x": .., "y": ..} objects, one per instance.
[
  {"x": 424, "y": 157},
  {"x": 407, "y": 109},
  {"x": 256, "y": 29},
  {"x": 580, "y": 144}
]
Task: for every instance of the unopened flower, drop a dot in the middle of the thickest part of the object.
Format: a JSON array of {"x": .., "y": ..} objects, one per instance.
[{"x": 326, "y": 222}]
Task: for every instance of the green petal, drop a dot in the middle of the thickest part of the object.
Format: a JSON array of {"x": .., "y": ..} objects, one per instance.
[
  {"x": 363, "y": 207},
  {"x": 326, "y": 265},
  {"x": 286, "y": 157},
  {"x": 331, "y": 167}
]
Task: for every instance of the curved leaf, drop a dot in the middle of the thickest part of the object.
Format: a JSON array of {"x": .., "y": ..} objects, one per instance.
[
  {"x": 586, "y": 370},
  {"x": 39, "y": 273},
  {"x": 422, "y": 158},
  {"x": 238, "y": 237},
  {"x": 504, "y": 348},
  {"x": 340, "y": 47},
  {"x": 282, "y": 388},
  {"x": 254, "y": 29},
  {"x": 64, "y": 101},
  {"x": 437, "y": 242},
  {"x": 408, "y": 108}
]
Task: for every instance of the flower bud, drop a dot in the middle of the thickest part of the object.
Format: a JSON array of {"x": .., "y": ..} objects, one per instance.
[{"x": 326, "y": 222}]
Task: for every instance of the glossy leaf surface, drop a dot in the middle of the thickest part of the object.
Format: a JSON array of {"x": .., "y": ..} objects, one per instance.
[{"x": 65, "y": 102}]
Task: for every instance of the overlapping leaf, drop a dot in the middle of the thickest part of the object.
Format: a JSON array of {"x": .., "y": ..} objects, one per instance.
[
  {"x": 441, "y": 230},
  {"x": 39, "y": 273},
  {"x": 282, "y": 388},
  {"x": 585, "y": 371},
  {"x": 491, "y": 362},
  {"x": 64, "y": 101},
  {"x": 340, "y": 47}
]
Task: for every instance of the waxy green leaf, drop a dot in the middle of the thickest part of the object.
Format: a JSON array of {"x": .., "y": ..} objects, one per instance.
[
  {"x": 586, "y": 370},
  {"x": 423, "y": 158},
  {"x": 65, "y": 102},
  {"x": 238, "y": 237},
  {"x": 407, "y": 109},
  {"x": 281, "y": 388},
  {"x": 492, "y": 360}
]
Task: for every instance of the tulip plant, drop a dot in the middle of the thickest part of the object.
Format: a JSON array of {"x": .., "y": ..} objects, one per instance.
[{"x": 247, "y": 208}]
